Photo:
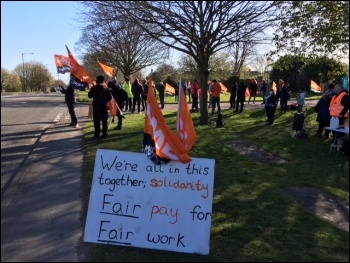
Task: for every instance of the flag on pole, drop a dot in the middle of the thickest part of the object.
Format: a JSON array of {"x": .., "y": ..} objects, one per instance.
[
  {"x": 274, "y": 86},
  {"x": 80, "y": 75},
  {"x": 109, "y": 71},
  {"x": 169, "y": 88},
  {"x": 159, "y": 143},
  {"x": 314, "y": 87},
  {"x": 112, "y": 106},
  {"x": 223, "y": 87},
  {"x": 184, "y": 124},
  {"x": 62, "y": 64}
]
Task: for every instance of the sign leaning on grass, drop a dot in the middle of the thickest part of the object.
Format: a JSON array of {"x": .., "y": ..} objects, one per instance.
[{"x": 134, "y": 202}]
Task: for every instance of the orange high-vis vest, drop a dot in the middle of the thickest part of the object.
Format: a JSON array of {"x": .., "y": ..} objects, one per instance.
[{"x": 335, "y": 106}]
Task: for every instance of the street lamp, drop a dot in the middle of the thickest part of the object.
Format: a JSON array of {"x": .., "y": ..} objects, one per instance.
[{"x": 23, "y": 63}]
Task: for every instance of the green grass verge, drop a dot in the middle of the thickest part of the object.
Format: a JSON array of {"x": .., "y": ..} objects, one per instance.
[{"x": 252, "y": 220}]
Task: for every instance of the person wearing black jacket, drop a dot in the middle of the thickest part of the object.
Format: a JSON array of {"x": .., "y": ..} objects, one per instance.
[
  {"x": 120, "y": 97},
  {"x": 240, "y": 96},
  {"x": 69, "y": 99},
  {"x": 100, "y": 97},
  {"x": 270, "y": 107},
  {"x": 161, "y": 91},
  {"x": 137, "y": 91}
]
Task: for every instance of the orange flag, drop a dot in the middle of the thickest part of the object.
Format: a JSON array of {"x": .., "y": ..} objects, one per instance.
[
  {"x": 274, "y": 86},
  {"x": 314, "y": 87},
  {"x": 113, "y": 106},
  {"x": 223, "y": 87},
  {"x": 62, "y": 64},
  {"x": 78, "y": 71},
  {"x": 184, "y": 123},
  {"x": 159, "y": 142},
  {"x": 169, "y": 88},
  {"x": 109, "y": 71}
]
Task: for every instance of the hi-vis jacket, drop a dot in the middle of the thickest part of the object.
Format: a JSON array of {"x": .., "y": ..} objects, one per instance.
[{"x": 335, "y": 107}]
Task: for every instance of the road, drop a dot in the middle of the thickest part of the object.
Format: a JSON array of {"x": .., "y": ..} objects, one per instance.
[{"x": 41, "y": 167}]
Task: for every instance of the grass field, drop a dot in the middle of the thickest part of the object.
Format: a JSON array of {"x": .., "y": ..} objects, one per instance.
[{"x": 252, "y": 220}]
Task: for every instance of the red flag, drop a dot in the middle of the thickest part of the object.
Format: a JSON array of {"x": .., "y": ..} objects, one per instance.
[
  {"x": 78, "y": 71},
  {"x": 159, "y": 142},
  {"x": 184, "y": 123},
  {"x": 109, "y": 71}
]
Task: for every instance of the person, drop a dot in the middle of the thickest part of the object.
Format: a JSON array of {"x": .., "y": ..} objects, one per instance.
[
  {"x": 100, "y": 97},
  {"x": 339, "y": 107},
  {"x": 137, "y": 91},
  {"x": 194, "y": 94},
  {"x": 120, "y": 97},
  {"x": 210, "y": 85},
  {"x": 263, "y": 90},
  {"x": 144, "y": 94},
  {"x": 189, "y": 91},
  {"x": 323, "y": 116},
  {"x": 284, "y": 96},
  {"x": 301, "y": 95},
  {"x": 161, "y": 90},
  {"x": 215, "y": 93},
  {"x": 253, "y": 87},
  {"x": 127, "y": 87},
  {"x": 270, "y": 107},
  {"x": 240, "y": 96},
  {"x": 69, "y": 99},
  {"x": 278, "y": 89},
  {"x": 233, "y": 94}
]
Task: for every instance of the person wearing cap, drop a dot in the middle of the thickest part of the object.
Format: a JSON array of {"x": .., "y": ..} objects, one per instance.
[
  {"x": 100, "y": 95},
  {"x": 270, "y": 107}
]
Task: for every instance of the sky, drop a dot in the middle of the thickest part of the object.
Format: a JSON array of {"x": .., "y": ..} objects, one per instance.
[{"x": 39, "y": 27}]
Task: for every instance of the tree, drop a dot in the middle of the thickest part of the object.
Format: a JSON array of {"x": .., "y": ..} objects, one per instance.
[
  {"x": 10, "y": 82},
  {"x": 196, "y": 28},
  {"x": 313, "y": 27},
  {"x": 117, "y": 43},
  {"x": 35, "y": 76}
]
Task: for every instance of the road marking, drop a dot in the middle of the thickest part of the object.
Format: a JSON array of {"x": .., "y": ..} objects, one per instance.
[{"x": 57, "y": 119}]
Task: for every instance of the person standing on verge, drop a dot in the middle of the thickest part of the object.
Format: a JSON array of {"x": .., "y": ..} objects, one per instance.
[
  {"x": 161, "y": 90},
  {"x": 270, "y": 107},
  {"x": 137, "y": 91},
  {"x": 253, "y": 87},
  {"x": 69, "y": 99},
  {"x": 263, "y": 91},
  {"x": 216, "y": 90},
  {"x": 144, "y": 94},
  {"x": 194, "y": 94},
  {"x": 240, "y": 96},
  {"x": 127, "y": 87},
  {"x": 301, "y": 95},
  {"x": 323, "y": 116},
  {"x": 233, "y": 94},
  {"x": 120, "y": 97},
  {"x": 339, "y": 107},
  {"x": 100, "y": 97}
]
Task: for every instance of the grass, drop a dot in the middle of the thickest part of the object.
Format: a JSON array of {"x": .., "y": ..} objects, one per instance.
[{"x": 252, "y": 220}]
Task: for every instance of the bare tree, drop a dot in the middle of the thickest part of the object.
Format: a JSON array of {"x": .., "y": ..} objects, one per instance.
[
  {"x": 197, "y": 28},
  {"x": 120, "y": 44}
]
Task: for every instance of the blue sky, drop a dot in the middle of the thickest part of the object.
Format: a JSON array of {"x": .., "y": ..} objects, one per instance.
[{"x": 42, "y": 28}]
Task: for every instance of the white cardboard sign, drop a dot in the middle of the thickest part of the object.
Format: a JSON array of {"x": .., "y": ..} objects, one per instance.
[{"x": 134, "y": 202}]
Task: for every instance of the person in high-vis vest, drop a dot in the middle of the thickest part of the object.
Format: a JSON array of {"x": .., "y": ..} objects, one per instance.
[
  {"x": 339, "y": 106},
  {"x": 127, "y": 87}
]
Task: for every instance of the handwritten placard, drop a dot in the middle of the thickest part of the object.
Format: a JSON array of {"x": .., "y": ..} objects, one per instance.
[{"x": 134, "y": 202}]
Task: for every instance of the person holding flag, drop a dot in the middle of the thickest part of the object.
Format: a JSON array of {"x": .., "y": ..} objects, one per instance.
[
  {"x": 70, "y": 100},
  {"x": 120, "y": 97}
]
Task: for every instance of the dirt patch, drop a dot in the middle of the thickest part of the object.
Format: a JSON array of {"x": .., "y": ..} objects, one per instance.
[
  {"x": 319, "y": 203},
  {"x": 254, "y": 152},
  {"x": 323, "y": 205}
]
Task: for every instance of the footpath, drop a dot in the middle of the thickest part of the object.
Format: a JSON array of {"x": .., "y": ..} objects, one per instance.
[{"x": 41, "y": 212}]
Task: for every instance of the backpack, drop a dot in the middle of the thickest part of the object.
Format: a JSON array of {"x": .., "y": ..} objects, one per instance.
[{"x": 220, "y": 121}]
